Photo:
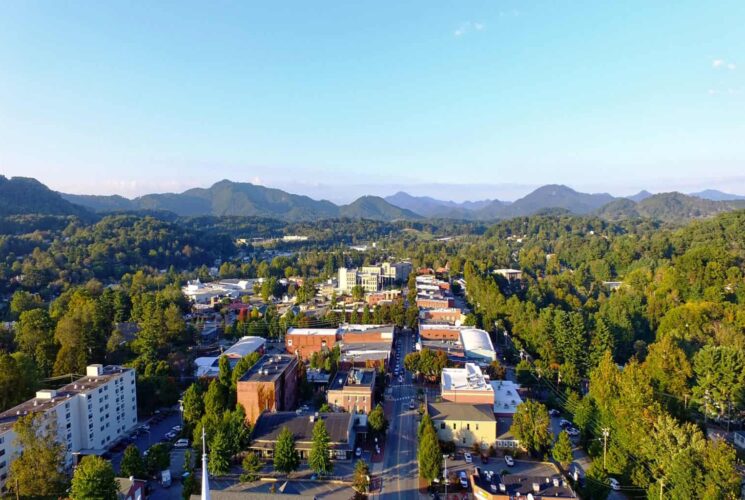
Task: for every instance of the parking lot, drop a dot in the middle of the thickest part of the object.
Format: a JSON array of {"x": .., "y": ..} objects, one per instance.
[{"x": 294, "y": 487}]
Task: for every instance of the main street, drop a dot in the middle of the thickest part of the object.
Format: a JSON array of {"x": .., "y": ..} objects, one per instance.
[{"x": 400, "y": 469}]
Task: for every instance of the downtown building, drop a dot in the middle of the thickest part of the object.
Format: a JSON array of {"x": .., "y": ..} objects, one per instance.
[
  {"x": 270, "y": 385},
  {"x": 87, "y": 416}
]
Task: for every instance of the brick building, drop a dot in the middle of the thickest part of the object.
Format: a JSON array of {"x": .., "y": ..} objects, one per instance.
[
  {"x": 305, "y": 341},
  {"x": 270, "y": 385},
  {"x": 434, "y": 302},
  {"x": 439, "y": 332},
  {"x": 466, "y": 385},
  {"x": 352, "y": 391},
  {"x": 447, "y": 315}
]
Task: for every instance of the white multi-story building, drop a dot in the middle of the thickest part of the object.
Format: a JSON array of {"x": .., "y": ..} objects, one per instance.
[
  {"x": 372, "y": 278},
  {"x": 89, "y": 415}
]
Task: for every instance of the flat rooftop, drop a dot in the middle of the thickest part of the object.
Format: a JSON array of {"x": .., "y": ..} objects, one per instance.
[
  {"x": 470, "y": 378},
  {"x": 516, "y": 485},
  {"x": 506, "y": 396},
  {"x": 56, "y": 397},
  {"x": 353, "y": 378},
  {"x": 268, "y": 368},
  {"x": 313, "y": 331}
]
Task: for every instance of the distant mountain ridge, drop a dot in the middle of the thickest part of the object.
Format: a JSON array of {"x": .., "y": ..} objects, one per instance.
[
  {"x": 716, "y": 195},
  {"x": 432, "y": 207},
  {"x": 246, "y": 199},
  {"x": 670, "y": 207},
  {"x": 24, "y": 195}
]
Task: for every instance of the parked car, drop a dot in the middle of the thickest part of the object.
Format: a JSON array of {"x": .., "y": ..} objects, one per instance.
[
  {"x": 181, "y": 443},
  {"x": 509, "y": 460},
  {"x": 467, "y": 456},
  {"x": 176, "y": 428},
  {"x": 564, "y": 423},
  {"x": 463, "y": 479},
  {"x": 573, "y": 431},
  {"x": 358, "y": 452},
  {"x": 170, "y": 435},
  {"x": 484, "y": 459},
  {"x": 554, "y": 412},
  {"x": 411, "y": 405},
  {"x": 614, "y": 484}
]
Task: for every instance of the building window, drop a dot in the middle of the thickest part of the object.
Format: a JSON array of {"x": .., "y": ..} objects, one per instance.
[
  {"x": 468, "y": 427},
  {"x": 454, "y": 427},
  {"x": 442, "y": 425},
  {"x": 477, "y": 426}
]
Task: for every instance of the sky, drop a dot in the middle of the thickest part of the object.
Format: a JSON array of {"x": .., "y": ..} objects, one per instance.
[{"x": 458, "y": 100}]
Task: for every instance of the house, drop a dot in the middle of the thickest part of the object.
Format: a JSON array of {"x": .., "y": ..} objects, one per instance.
[
  {"x": 131, "y": 488},
  {"x": 464, "y": 424},
  {"x": 352, "y": 391},
  {"x": 492, "y": 486},
  {"x": 466, "y": 385},
  {"x": 510, "y": 275},
  {"x": 270, "y": 385},
  {"x": 340, "y": 427}
]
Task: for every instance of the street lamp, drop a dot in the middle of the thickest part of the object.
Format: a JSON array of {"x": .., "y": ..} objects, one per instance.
[{"x": 445, "y": 474}]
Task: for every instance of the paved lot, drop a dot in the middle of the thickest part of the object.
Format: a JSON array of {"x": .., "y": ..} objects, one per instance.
[{"x": 294, "y": 487}]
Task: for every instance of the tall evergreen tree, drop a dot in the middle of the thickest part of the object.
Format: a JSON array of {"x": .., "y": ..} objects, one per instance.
[
  {"x": 319, "y": 458},
  {"x": 286, "y": 458}
]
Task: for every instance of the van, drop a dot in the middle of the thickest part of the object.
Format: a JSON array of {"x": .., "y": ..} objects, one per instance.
[
  {"x": 463, "y": 479},
  {"x": 165, "y": 478}
]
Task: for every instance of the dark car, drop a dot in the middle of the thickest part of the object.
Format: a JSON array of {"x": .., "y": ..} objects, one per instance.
[{"x": 484, "y": 459}]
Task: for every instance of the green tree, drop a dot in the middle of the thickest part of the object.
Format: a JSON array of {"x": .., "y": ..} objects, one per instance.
[
  {"x": 252, "y": 466},
  {"x": 319, "y": 458},
  {"x": 35, "y": 337},
  {"x": 23, "y": 301},
  {"x": 132, "y": 463},
  {"x": 39, "y": 470},
  {"x": 377, "y": 421},
  {"x": 286, "y": 458},
  {"x": 720, "y": 378},
  {"x": 94, "y": 479},
  {"x": 220, "y": 453},
  {"x": 361, "y": 478},
  {"x": 158, "y": 458},
  {"x": 562, "y": 450},
  {"x": 190, "y": 485},
  {"x": 531, "y": 426},
  {"x": 429, "y": 455},
  {"x": 193, "y": 404}
]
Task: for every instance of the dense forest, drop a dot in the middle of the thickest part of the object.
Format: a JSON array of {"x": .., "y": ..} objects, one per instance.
[{"x": 633, "y": 326}]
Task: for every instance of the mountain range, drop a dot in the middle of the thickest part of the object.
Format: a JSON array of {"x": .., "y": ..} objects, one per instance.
[{"x": 21, "y": 195}]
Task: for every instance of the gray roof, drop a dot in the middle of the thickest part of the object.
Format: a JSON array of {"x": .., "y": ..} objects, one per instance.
[
  {"x": 274, "y": 364},
  {"x": 460, "y": 411},
  {"x": 361, "y": 378},
  {"x": 269, "y": 425},
  {"x": 252, "y": 495}
]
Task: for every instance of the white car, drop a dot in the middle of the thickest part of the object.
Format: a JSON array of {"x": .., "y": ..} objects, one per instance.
[
  {"x": 509, "y": 461},
  {"x": 181, "y": 443},
  {"x": 358, "y": 452},
  {"x": 463, "y": 479},
  {"x": 467, "y": 456},
  {"x": 411, "y": 405},
  {"x": 614, "y": 484},
  {"x": 176, "y": 428}
]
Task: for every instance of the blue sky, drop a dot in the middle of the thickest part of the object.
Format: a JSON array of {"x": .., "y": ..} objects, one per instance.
[{"x": 462, "y": 100}]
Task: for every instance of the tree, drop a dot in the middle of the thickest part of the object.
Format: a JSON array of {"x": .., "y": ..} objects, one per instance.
[
  {"x": 720, "y": 378},
  {"x": 319, "y": 458},
  {"x": 39, "y": 471},
  {"x": 531, "y": 426},
  {"x": 562, "y": 450},
  {"x": 158, "y": 458},
  {"x": 94, "y": 479},
  {"x": 361, "y": 480},
  {"x": 23, "y": 301},
  {"x": 132, "y": 463},
  {"x": 35, "y": 337},
  {"x": 496, "y": 371},
  {"x": 190, "y": 484},
  {"x": 252, "y": 466},
  {"x": 193, "y": 404},
  {"x": 220, "y": 453},
  {"x": 377, "y": 421},
  {"x": 429, "y": 455},
  {"x": 286, "y": 458}
]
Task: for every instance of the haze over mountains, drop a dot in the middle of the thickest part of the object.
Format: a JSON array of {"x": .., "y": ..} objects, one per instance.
[{"x": 21, "y": 195}]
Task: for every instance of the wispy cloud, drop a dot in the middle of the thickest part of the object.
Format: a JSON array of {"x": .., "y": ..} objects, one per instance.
[
  {"x": 723, "y": 64},
  {"x": 468, "y": 27}
]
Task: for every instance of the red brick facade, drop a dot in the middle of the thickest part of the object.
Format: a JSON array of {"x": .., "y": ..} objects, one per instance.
[
  {"x": 273, "y": 392},
  {"x": 305, "y": 345}
]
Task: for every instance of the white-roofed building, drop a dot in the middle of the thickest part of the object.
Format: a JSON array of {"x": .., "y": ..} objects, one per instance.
[
  {"x": 477, "y": 345},
  {"x": 209, "y": 366},
  {"x": 466, "y": 385},
  {"x": 506, "y": 397}
]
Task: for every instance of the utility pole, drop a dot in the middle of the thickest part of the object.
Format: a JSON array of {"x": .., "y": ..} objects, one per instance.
[
  {"x": 662, "y": 487},
  {"x": 445, "y": 476},
  {"x": 606, "y": 433}
]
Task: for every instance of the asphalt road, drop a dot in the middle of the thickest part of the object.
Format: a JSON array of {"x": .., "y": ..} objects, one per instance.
[{"x": 400, "y": 468}]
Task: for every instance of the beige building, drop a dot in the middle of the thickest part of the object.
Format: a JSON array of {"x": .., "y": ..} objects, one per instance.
[{"x": 464, "y": 424}]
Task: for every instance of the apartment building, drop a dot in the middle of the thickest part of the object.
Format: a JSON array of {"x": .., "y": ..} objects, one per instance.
[
  {"x": 304, "y": 342},
  {"x": 352, "y": 391},
  {"x": 347, "y": 279},
  {"x": 87, "y": 416},
  {"x": 270, "y": 385}
]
